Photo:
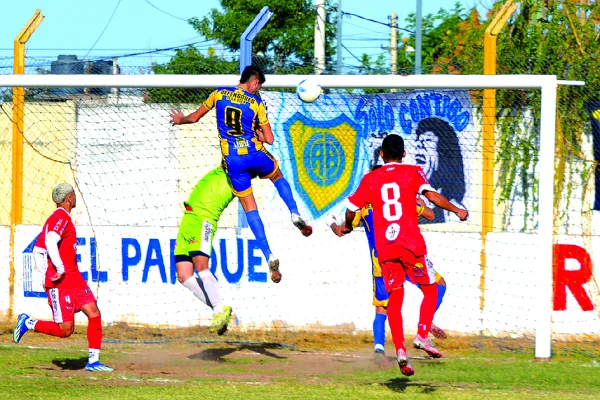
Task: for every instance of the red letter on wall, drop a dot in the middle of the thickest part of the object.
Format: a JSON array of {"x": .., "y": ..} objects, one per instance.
[{"x": 572, "y": 279}]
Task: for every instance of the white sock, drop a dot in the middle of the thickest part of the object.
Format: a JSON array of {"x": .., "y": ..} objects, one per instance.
[
  {"x": 30, "y": 323},
  {"x": 94, "y": 355},
  {"x": 192, "y": 284},
  {"x": 212, "y": 289}
]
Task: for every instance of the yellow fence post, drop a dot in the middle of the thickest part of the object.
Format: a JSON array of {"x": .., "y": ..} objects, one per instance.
[
  {"x": 489, "y": 139},
  {"x": 16, "y": 213}
]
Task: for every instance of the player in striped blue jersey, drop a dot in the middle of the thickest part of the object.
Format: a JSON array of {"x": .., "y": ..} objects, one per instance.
[{"x": 243, "y": 129}]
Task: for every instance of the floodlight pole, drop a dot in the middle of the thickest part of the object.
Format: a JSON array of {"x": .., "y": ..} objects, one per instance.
[{"x": 259, "y": 22}]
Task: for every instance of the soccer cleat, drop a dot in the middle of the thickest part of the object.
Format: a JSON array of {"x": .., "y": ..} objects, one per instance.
[
  {"x": 426, "y": 345},
  {"x": 97, "y": 367},
  {"x": 220, "y": 321},
  {"x": 438, "y": 332},
  {"x": 274, "y": 268},
  {"x": 381, "y": 359},
  {"x": 404, "y": 364},
  {"x": 301, "y": 224},
  {"x": 21, "y": 328}
]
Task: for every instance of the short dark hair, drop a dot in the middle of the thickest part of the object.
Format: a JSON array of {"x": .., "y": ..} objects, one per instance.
[
  {"x": 393, "y": 147},
  {"x": 252, "y": 71}
]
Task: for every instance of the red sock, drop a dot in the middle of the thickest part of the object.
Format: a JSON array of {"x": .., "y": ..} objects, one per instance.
[
  {"x": 50, "y": 328},
  {"x": 427, "y": 309},
  {"x": 94, "y": 333},
  {"x": 395, "y": 317}
]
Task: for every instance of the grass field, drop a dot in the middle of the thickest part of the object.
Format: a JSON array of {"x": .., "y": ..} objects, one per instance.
[{"x": 313, "y": 367}]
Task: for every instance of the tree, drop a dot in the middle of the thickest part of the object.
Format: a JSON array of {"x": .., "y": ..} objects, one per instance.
[
  {"x": 190, "y": 61},
  {"x": 286, "y": 42},
  {"x": 558, "y": 37}
]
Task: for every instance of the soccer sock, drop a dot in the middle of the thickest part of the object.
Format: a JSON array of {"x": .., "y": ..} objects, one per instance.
[
  {"x": 257, "y": 227},
  {"x": 379, "y": 331},
  {"x": 94, "y": 333},
  {"x": 440, "y": 295},
  {"x": 427, "y": 309},
  {"x": 193, "y": 284},
  {"x": 285, "y": 192},
  {"x": 93, "y": 356},
  {"x": 395, "y": 318},
  {"x": 212, "y": 289},
  {"x": 30, "y": 323},
  {"x": 50, "y": 328}
]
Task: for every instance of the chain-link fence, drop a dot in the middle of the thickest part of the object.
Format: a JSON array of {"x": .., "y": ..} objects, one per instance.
[{"x": 133, "y": 171}]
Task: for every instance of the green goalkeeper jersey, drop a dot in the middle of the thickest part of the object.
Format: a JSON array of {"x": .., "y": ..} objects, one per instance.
[{"x": 211, "y": 195}]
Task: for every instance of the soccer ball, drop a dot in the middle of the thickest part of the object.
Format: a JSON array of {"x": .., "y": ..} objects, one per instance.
[{"x": 308, "y": 91}]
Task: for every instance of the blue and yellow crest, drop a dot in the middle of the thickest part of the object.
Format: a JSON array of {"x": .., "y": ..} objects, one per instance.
[{"x": 324, "y": 159}]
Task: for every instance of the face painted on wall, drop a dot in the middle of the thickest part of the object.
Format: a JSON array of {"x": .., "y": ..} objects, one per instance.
[{"x": 426, "y": 154}]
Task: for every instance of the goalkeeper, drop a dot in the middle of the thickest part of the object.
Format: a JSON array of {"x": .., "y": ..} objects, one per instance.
[
  {"x": 380, "y": 296},
  {"x": 193, "y": 246}
]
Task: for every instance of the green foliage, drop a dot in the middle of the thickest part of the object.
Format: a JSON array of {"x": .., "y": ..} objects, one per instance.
[
  {"x": 542, "y": 37},
  {"x": 189, "y": 61},
  {"x": 288, "y": 38},
  {"x": 452, "y": 42}
]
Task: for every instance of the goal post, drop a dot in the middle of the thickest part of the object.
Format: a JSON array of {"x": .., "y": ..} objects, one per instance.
[{"x": 546, "y": 84}]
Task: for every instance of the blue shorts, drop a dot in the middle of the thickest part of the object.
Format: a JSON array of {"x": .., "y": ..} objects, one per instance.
[
  {"x": 380, "y": 296},
  {"x": 241, "y": 169}
]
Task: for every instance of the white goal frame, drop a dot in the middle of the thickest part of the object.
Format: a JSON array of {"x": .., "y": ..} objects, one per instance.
[{"x": 546, "y": 83}]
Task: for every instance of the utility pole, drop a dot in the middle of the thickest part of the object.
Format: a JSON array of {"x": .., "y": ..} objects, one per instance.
[
  {"x": 419, "y": 28},
  {"x": 320, "y": 38},
  {"x": 394, "y": 46},
  {"x": 339, "y": 38}
]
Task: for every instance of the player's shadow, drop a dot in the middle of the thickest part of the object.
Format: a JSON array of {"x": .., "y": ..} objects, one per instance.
[
  {"x": 70, "y": 363},
  {"x": 400, "y": 385},
  {"x": 219, "y": 354}
]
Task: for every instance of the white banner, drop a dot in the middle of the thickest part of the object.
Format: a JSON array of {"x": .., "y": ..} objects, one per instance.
[{"x": 326, "y": 281}]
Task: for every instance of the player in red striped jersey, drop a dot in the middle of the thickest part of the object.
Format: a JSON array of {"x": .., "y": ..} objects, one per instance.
[
  {"x": 392, "y": 193},
  {"x": 68, "y": 293}
]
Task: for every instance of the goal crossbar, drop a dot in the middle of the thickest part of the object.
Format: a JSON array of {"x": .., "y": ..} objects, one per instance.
[{"x": 288, "y": 81}]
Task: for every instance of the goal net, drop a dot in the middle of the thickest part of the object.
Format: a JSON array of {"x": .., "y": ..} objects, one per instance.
[{"x": 133, "y": 170}]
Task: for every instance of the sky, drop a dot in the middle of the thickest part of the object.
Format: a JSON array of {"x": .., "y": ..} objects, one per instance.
[{"x": 96, "y": 29}]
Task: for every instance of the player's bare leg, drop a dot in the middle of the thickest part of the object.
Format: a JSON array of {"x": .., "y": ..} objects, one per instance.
[{"x": 438, "y": 332}]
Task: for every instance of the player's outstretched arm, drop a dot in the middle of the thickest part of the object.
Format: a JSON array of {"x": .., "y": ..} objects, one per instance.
[
  {"x": 424, "y": 211},
  {"x": 350, "y": 217},
  {"x": 178, "y": 118},
  {"x": 338, "y": 228},
  {"x": 442, "y": 202},
  {"x": 267, "y": 134}
]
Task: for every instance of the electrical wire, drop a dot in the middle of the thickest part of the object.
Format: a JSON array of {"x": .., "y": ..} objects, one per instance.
[
  {"x": 164, "y": 12},
  {"x": 103, "y": 30}
]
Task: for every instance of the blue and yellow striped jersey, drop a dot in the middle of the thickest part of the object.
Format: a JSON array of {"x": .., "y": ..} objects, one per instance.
[{"x": 239, "y": 114}]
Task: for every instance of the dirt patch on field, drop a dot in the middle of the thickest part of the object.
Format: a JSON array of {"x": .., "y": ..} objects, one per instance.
[
  {"x": 256, "y": 363},
  {"x": 253, "y": 358}
]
